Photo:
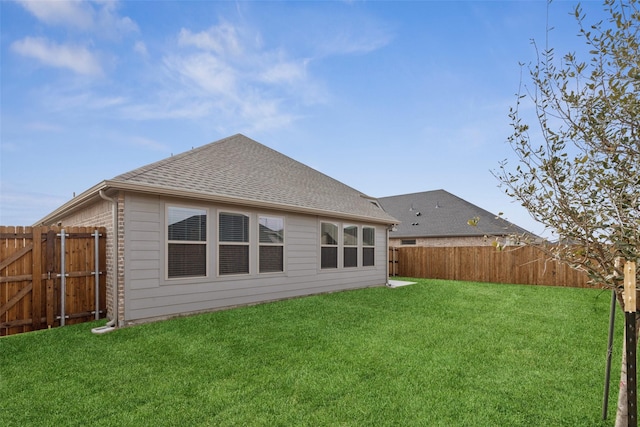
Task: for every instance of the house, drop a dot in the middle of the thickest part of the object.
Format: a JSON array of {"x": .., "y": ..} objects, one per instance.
[
  {"x": 438, "y": 218},
  {"x": 229, "y": 223}
]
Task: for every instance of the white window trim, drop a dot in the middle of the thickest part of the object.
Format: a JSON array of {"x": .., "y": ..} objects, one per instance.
[
  {"x": 338, "y": 245},
  {"x": 167, "y": 242},
  {"x": 247, "y": 244},
  {"x": 363, "y": 246},
  {"x": 284, "y": 250},
  {"x": 357, "y": 246}
]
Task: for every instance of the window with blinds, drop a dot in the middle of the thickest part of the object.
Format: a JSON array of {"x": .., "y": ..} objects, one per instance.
[
  {"x": 350, "y": 246},
  {"x": 368, "y": 246},
  {"x": 233, "y": 243},
  {"x": 271, "y": 244},
  {"x": 328, "y": 245},
  {"x": 186, "y": 242}
]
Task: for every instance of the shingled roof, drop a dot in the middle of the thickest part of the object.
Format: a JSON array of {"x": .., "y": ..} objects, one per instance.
[
  {"x": 240, "y": 170},
  {"x": 439, "y": 213}
]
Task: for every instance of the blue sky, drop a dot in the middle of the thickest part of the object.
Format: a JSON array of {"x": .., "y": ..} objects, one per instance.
[{"x": 387, "y": 97}]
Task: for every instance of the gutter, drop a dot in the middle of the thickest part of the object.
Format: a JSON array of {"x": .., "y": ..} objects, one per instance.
[
  {"x": 92, "y": 193},
  {"x": 113, "y": 323}
]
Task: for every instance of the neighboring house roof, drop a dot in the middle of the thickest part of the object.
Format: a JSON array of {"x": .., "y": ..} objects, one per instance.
[
  {"x": 240, "y": 170},
  {"x": 439, "y": 213}
]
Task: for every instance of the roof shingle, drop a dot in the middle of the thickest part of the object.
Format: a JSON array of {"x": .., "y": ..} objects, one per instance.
[
  {"x": 439, "y": 213},
  {"x": 241, "y": 168}
]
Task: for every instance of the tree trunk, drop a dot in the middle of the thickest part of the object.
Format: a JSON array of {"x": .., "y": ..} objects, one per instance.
[{"x": 622, "y": 416}]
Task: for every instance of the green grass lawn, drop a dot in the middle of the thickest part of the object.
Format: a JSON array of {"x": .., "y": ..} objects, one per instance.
[{"x": 438, "y": 353}]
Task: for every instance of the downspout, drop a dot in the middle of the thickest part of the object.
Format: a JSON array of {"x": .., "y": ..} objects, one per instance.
[
  {"x": 389, "y": 229},
  {"x": 387, "y": 269},
  {"x": 113, "y": 323}
]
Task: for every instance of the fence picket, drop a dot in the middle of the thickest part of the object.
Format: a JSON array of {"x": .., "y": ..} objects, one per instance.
[{"x": 519, "y": 265}]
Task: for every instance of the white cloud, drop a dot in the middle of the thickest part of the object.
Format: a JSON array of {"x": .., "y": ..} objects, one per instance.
[
  {"x": 110, "y": 23},
  {"x": 206, "y": 71},
  {"x": 350, "y": 35},
  {"x": 284, "y": 72},
  {"x": 99, "y": 17},
  {"x": 264, "y": 114},
  {"x": 224, "y": 72},
  {"x": 76, "y": 58},
  {"x": 221, "y": 39},
  {"x": 63, "y": 12},
  {"x": 348, "y": 43},
  {"x": 172, "y": 106},
  {"x": 141, "y": 48}
]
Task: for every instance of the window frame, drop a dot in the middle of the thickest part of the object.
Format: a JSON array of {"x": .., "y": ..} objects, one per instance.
[
  {"x": 355, "y": 246},
  {"x": 220, "y": 243},
  {"x": 168, "y": 242},
  {"x": 272, "y": 244},
  {"x": 365, "y": 246},
  {"x": 337, "y": 245},
  {"x": 369, "y": 248}
]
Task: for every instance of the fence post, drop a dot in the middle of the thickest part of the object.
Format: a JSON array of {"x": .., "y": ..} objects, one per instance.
[
  {"x": 36, "y": 277},
  {"x": 50, "y": 294},
  {"x": 630, "y": 340},
  {"x": 63, "y": 278}
]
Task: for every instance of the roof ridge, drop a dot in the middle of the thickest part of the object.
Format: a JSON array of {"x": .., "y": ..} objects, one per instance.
[
  {"x": 242, "y": 168},
  {"x": 162, "y": 162},
  {"x": 416, "y": 192}
]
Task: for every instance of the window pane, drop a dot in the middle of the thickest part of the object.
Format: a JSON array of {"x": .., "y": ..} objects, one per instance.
[
  {"x": 187, "y": 224},
  {"x": 329, "y": 257},
  {"x": 271, "y": 229},
  {"x": 187, "y": 260},
  {"x": 368, "y": 256},
  {"x": 271, "y": 259},
  {"x": 368, "y": 236},
  {"x": 234, "y": 259},
  {"x": 351, "y": 257},
  {"x": 233, "y": 227},
  {"x": 351, "y": 235},
  {"x": 329, "y": 233}
]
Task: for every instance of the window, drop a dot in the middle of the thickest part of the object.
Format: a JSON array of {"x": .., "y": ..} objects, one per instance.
[
  {"x": 271, "y": 242},
  {"x": 350, "y": 243},
  {"x": 186, "y": 242},
  {"x": 233, "y": 237},
  {"x": 328, "y": 245},
  {"x": 408, "y": 241},
  {"x": 368, "y": 246}
]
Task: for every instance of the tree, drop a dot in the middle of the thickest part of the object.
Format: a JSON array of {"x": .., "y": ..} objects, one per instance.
[{"x": 579, "y": 175}]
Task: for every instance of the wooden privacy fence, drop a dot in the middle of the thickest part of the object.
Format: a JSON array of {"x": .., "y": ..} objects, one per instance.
[
  {"x": 521, "y": 265},
  {"x": 51, "y": 276}
]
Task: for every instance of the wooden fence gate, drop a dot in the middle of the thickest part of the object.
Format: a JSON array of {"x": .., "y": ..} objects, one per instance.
[{"x": 51, "y": 276}]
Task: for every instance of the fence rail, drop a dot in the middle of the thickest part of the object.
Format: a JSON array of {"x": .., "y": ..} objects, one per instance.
[
  {"x": 39, "y": 265},
  {"x": 521, "y": 265}
]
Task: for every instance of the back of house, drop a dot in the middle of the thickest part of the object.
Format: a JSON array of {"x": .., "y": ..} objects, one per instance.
[{"x": 229, "y": 223}]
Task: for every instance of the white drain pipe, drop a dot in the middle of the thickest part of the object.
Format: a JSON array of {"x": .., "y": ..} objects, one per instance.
[{"x": 113, "y": 323}]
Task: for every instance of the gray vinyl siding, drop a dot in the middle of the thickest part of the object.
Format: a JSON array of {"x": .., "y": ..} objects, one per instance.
[{"x": 149, "y": 294}]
